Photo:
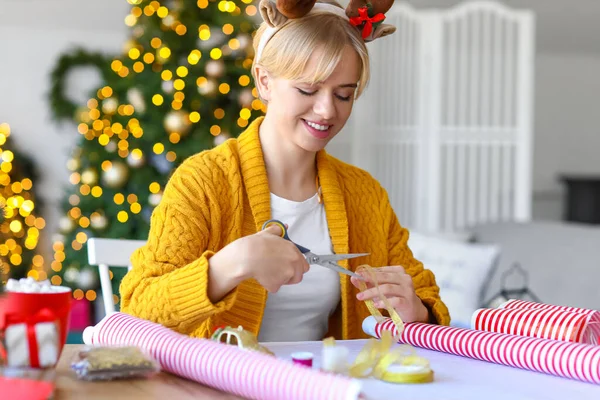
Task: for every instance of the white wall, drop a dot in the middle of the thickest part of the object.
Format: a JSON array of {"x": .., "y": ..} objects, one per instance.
[
  {"x": 32, "y": 35},
  {"x": 567, "y": 125}
]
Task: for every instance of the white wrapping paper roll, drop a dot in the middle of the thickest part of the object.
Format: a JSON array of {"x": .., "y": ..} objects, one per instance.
[{"x": 227, "y": 368}]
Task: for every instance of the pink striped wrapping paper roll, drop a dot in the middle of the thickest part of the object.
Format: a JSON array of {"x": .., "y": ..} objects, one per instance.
[
  {"x": 225, "y": 367},
  {"x": 591, "y": 332},
  {"x": 570, "y": 360},
  {"x": 542, "y": 323}
]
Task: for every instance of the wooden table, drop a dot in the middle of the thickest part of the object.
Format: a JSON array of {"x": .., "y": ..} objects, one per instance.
[
  {"x": 456, "y": 378},
  {"x": 163, "y": 386}
]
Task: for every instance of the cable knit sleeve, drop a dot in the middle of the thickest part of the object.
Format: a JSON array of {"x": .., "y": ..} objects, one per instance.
[
  {"x": 169, "y": 279},
  {"x": 423, "y": 279}
]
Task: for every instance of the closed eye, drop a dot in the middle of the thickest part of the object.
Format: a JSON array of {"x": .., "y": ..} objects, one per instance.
[
  {"x": 305, "y": 93},
  {"x": 302, "y": 92}
]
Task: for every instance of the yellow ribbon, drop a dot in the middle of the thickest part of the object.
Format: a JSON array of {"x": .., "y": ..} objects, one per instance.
[
  {"x": 369, "y": 303},
  {"x": 377, "y": 358}
]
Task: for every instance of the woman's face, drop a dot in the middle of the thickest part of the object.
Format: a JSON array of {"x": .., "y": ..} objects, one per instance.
[{"x": 311, "y": 115}]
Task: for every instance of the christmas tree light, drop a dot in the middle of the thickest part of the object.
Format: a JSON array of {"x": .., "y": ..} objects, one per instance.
[
  {"x": 19, "y": 226},
  {"x": 180, "y": 86}
]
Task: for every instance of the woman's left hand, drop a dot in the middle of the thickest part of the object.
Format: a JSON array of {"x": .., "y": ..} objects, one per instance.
[{"x": 397, "y": 286}]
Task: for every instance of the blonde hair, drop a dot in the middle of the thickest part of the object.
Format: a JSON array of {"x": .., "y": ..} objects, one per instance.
[{"x": 287, "y": 53}]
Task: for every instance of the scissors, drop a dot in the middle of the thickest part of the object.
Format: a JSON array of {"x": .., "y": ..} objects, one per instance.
[{"x": 327, "y": 261}]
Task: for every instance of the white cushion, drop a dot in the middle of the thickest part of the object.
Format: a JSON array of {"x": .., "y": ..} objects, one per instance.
[{"x": 461, "y": 271}]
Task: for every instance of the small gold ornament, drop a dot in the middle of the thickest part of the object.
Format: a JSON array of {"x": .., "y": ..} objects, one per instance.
[
  {"x": 89, "y": 176},
  {"x": 135, "y": 161},
  {"x": 66, "y": 224},
  {"x": 154, "y": 199},
  {"x": 136, "y": 99},
  {"x": 98, "y": 221},
  {"x": 109, "y": 106},
  {"x": 221, "y": 138},
  {"x": 208, "y": 88},
  {"x": 116, "y": 175},
  {"x": 73, "y": 164},
  {"x": 246, "y": 98},
  {"x": 215, "y": 68},
  {"x": 177, "y": 121},
  {"x": 243, "y": 339}
]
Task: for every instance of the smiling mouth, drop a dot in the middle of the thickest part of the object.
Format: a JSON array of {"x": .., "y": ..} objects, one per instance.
[
  {"x": 319, "y": 131},
  {"x": 319, "y": 127}
]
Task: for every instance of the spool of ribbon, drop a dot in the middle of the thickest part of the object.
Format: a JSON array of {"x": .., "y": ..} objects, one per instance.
[{"x": 396, "y": 365}]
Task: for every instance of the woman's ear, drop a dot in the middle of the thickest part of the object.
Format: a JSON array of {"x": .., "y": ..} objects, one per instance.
[
  {"x": 382, "y": 31},
  {"x": 270, "y": 14},
  {"x": 263, "y": 83}
]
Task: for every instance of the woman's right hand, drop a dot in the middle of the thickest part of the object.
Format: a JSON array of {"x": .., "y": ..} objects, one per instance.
[{"x": 264, "y": 256}]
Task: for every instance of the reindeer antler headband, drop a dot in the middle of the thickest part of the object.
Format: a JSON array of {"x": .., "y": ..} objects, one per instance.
[{"x": 366, "y": 15}]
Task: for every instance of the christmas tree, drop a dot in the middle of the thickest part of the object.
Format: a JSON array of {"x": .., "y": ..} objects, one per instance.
[
  {"x": 182, "y": 85},
  {"x": 19, "y": 226}
]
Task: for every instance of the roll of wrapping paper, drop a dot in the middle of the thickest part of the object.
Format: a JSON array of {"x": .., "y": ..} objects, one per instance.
[
  {"x": 543, "y": 323},
  {"x": 593, "y": 316},
  {"x": 225, "y": 367},
  {"x": 565, "y": 359}
]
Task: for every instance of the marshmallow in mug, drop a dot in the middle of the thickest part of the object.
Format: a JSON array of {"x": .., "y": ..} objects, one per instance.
[{"x": 30, "y": 285}]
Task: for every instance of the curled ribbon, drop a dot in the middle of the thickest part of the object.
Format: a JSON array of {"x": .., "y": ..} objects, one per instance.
[
  {"x": 400, "y": 365},
  {"x": 363, "y": 18},
  {"x": 377, "y": 358}
]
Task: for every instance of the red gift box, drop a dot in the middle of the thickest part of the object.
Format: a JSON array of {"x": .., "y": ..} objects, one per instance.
[{"x": 34, "y": 309}]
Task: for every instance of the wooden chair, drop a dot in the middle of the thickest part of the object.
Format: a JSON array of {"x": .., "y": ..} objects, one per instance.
[{"x": 106, "y": 253}]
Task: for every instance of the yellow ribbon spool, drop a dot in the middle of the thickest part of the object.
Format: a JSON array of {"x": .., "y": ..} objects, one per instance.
[{"x": 377, "y": 359}]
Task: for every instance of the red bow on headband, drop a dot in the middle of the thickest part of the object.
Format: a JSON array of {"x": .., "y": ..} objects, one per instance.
[{"x": 363, "y": 18}]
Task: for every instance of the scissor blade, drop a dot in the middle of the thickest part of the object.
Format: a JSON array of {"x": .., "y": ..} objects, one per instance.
[
  {"x": 340, "y": 269},
  {"x": 339, "y": 257}
]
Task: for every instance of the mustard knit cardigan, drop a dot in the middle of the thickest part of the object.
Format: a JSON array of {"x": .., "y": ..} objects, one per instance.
[{"x": 222, "y": 194}]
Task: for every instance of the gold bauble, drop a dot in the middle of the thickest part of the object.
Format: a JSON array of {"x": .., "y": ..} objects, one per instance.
[
  {"x": 89, "y": 176},
  {"x": 154, "y": 199},
  {"x": 116, "y": 175},
  {"x": 98, "y": 221},
  {"x": 177, "y": 121},
  {"x": 73, "y": 164},
  {"x": 215, "y": 68},
  {"x": 66, "y": 224},
  {"x": 208, "y": 88},
  {"x": 135, "y": 161},
  {"x": 109, "y": 106},
  {"x": 246, "y": 98}
]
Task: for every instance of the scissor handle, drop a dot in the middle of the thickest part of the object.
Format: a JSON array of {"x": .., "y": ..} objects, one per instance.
[{"x": 284, "y": 233}]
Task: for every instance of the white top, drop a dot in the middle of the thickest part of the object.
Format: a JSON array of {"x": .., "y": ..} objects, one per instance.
[{"x": 302, "y": 311}]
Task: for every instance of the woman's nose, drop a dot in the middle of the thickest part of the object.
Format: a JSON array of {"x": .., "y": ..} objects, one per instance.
[{"x": 325, "y": 107}]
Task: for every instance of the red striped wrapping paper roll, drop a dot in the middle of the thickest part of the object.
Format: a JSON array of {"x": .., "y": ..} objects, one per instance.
[
  {"x": 537, "y": 322},
  {"x": 593, "y": 320},
  {"x": 227, "y": 368},
  {"x": 565, "y": 359}
]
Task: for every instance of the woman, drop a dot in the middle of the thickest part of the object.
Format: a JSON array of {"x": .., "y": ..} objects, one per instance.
[{"x": 207, "y": 263}]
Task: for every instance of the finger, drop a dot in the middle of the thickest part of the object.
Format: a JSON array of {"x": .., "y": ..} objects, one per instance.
[
  {"x": 273, "y": 229},
  {"x": 383, "y": 277},
  {"x": 397, "y": 303},
  {"x": 356, "y": 282},
  {"x": 392, "y": 268},
  {"x": 388, "y": 290}
]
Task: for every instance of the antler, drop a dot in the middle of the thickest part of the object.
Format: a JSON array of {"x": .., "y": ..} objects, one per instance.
[
  {"x": 295, "y": 8},
  {"x": 368, "y": 15},
  {"x": 379, "y": 6}
]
